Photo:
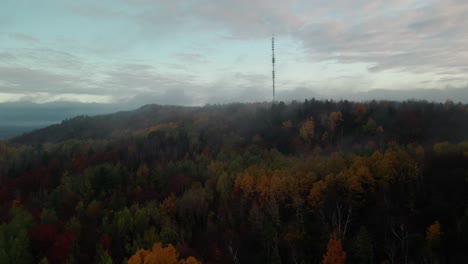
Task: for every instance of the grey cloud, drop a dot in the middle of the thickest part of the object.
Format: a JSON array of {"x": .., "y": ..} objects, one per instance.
[
  {"x": 176, "y": 66},
  {"x": 398, "y": 35},
  {"x": 25, "y": 80},
  {"x": 23, "y": 37},
  {"x": 94, "y": 11},
  {"x": 190, "y": 57},
  {"x": 47, "y": 58},
  {"x": 246, "y": 94},
  {"x": 173, "y": 96},
  {"x": 298, "y": 94},
  {"x": 59, "y": 72},
  {"x": 414, "y": 40},
  {"x": 405, "y": 35},
  {"x": 452, "y": 79},
  {"x": 244, "y": 18},
  {"x": 252, "y": 77},
  {"x": 6, "y": 56},
  {"x": 129, "y": 79},
  {"x": 135, "y": 67}
]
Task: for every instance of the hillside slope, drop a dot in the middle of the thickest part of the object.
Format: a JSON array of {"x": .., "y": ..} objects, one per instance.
[{"x": 380, "y": 182}]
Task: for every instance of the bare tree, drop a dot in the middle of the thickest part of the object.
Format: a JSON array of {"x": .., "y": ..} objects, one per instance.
[{"x": 341, "y": 219}]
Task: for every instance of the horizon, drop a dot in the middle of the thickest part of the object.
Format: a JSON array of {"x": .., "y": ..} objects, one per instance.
[{"x": 203, "y": 52}]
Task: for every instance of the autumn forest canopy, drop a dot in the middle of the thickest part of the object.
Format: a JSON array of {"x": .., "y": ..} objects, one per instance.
[{"x": 305, "y": 182}]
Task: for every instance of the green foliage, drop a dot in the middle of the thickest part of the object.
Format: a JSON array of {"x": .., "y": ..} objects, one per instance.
[
  {"x": 447, "y": 149},
  {"x": 48, "y": 216},
  {"x": 44, "y": 261},
  {"x": 123, "y": 221},
  {"x": 14, "y": 240},
  {"x": 104, "y": 258}
]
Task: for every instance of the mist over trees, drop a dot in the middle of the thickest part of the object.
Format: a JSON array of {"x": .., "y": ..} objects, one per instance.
[
  {"x": 24, "y": 116},
  {"x": 305, "y": 182}
]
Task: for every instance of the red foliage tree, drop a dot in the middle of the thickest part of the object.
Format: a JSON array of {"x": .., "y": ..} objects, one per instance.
[
  {"x": 59, "y": 251},
  {"x": 80, "y": 164},
  {"x": 105, "y": 241},
  {"x": 178, "y": 184},
  {"x": 42, "y": 237}
]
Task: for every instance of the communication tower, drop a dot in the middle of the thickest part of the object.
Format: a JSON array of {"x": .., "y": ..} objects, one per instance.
[{"x": 273, "y": 64}]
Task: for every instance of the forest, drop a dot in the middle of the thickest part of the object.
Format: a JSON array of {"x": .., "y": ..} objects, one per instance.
[{"x": 303, "y": 182}]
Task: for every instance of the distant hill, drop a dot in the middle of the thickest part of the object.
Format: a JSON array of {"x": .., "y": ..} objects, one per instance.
[
  {"x": 103, "y": 126},
  {"x": 404, "y": 121},
  {"x": 20, "y": 117}
]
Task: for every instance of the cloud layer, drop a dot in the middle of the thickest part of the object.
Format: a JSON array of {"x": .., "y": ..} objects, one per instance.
[{"x": 194, "y": 52}]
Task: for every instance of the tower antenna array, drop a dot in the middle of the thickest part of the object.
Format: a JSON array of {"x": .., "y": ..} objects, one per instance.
[{"x": 273, "y": 63}]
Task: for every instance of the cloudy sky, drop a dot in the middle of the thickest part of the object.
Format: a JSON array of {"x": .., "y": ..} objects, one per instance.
[{"x": 203, "y": 51}]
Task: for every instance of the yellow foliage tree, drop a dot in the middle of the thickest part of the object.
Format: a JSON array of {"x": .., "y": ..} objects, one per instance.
[
  {"x": 358, "y": 179},
  {"x": 315, "y": 197},
  {"x": 278, "y": 188},
  {"x": 307, "y": 130},
  {"x": 247, "y": 184},
  {"x": 160, "y": 255},
  {"x": 287, "y": 124},
  {"x": 263, "y": 189},
  {"x": 169, "y": 205},
  {"x": 335, "y": 119}
]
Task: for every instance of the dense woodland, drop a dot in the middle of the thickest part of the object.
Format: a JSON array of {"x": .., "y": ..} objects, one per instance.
[{"x": 310, "y": 182}]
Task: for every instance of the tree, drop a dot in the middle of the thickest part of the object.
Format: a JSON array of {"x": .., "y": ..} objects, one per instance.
[
  {"x": 48, "y": 216},
  {"x": 104, "y": 258},
  {"x": 60, "y": 250},
  {"x": 43, "y": 261},
  {"x": 360, "y": 110},
  {"x": 19, "y": 251},
  {"x": 316, "y": 195},
  {"x": 193, "y": 204},
  {"x": 371, "y": 127},
  {"x": 335, "y": 119},
  {"x": 335, "y": 253},
  {"x": 14, "y": 240},
  {"x": 169, "y": 205},
  {"x": 433, "y": 234},
  {"x": 138, "y": 257},
  {"x": 190, "y": 260},
  {"x": 160, "y": 255},
  {"x": 363, "y": 246},
  {"x": 307, "y": 130},
  {"x": 42, "y": 237}
]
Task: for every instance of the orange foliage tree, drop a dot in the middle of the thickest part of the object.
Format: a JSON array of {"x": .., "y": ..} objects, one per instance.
[
  {"x": 335, "y": 253},
  {"x": 160, "y": 255},
  {"x": 433, "y": 233}
]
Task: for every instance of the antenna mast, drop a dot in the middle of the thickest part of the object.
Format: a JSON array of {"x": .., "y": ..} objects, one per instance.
[{"x": 273, "y": 63}]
